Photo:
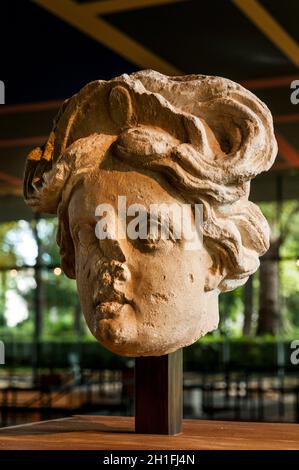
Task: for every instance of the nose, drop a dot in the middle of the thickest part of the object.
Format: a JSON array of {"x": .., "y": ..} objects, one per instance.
[
  {"x": 114, "y": 254},
  {"x": 112, "y": 250},
  {"x": 120, "y": 271},
  {"x": 113, "y": 274}
]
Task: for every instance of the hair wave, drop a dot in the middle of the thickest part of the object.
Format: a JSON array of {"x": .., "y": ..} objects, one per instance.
[{"x": 207, "y": 136}]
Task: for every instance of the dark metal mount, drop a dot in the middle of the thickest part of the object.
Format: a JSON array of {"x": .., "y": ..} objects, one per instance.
[{"x": 159, "y": 394}]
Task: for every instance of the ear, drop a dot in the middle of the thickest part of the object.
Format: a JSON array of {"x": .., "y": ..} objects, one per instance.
[
  {"x": 213, "y": 279},
  {"x": 121, "y": 107},
  {"x": 67, "y": 250},
  {"x": 216, "y": 271}
]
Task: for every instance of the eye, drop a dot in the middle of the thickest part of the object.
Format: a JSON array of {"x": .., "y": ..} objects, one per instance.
[
  {"x": 149, "y": 243},
  {"x": 153, "y": 233},
  {"x": 155, "y": 241}
]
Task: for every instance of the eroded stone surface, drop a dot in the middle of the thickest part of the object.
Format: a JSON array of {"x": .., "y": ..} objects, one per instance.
[{"x": 155, "y": 139}]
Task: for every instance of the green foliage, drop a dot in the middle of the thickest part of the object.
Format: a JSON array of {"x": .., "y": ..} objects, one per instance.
[
  {"x": 60, "y": 299},
  {"x": 209, "y": 354},
  {"x": 7, "y": 252},
  {"x": 231, "y": 312},
  {"x": 259, "y": 353},
  {"x": 59, "y": 294},
  {"x": 284, "y": 221}
]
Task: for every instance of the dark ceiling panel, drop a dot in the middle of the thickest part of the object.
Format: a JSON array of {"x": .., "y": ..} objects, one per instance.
[
  {"x": 290, "y": 187},
  {"x": 278, "y": 99},
  {"x": 12, "y": 160},
  {"x": 26, "y": 124},
  {"x": 286, "y": 13},
  {"x": 88, "y": 1},
  {"x": 290, "y": 131},
  {"x": 14, "y": 208},
  {"x": 205, "y": 37},
  {"x": 45, "y": 58}
]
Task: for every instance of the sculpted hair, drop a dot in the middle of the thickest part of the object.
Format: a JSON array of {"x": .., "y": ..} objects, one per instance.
[{"x": 207, "y": 136}]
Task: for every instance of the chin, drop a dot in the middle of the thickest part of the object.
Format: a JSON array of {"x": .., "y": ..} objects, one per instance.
[
  {"x": 117, "y": 336},
  {"x": 128, "y": 342}
]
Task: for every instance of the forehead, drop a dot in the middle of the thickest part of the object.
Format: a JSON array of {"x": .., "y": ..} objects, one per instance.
[{"x": 105, "y": 186}]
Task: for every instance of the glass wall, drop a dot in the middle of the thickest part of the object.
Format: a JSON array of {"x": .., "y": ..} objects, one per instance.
[
  {"x": 243, "y": 370},
  {"x": 36, "y": 298}
]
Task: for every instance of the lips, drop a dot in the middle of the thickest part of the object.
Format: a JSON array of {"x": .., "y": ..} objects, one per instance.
[
  {"x": 108, "y": 310},
  {"x": 108, "y": 295},
  {"x": 109, "y": 303},
  {"x": 108, "y": 300}
]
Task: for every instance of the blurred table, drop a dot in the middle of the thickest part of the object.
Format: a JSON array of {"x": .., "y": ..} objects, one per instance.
[{"x": 112, "y": 433}]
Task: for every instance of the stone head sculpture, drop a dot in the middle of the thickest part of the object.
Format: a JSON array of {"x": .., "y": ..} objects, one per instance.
[{"x": 155, "y": 139}]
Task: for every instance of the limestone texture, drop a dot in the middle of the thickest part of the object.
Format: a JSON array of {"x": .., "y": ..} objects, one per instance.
[{"x": 155, "y": 139}]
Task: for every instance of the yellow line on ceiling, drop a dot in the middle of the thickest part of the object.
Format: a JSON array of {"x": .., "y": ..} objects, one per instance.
[
  {"x": 103, "y": 32},
  {"x": 270, "y": 27},
  {"x": 113, "y": 6}
]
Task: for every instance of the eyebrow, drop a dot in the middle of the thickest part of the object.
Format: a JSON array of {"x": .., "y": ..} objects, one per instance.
[
  {"x": 82, "y": 220},
  {"x": 166, "y": 222}
]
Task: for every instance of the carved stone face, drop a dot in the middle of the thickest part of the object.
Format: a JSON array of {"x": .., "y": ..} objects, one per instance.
[
  {"x": 207, "y": 137},
  {"x": 138, "y": 297}
]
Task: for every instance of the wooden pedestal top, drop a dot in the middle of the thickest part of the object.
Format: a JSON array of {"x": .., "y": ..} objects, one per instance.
[{"x": 117, "y": 433}]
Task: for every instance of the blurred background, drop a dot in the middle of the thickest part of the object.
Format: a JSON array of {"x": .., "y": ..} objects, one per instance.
[{"x": 49, "y": 50}]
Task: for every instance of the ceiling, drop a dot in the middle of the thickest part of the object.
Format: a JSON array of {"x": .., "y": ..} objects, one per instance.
[{"x": 54, "y": 47}]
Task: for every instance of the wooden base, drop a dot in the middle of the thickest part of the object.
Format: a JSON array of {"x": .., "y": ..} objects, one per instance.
[
  {"x": 159, "y": 394},
  {"x": 117, "y": 433}
]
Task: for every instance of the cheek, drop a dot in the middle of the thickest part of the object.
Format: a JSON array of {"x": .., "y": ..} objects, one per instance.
[
  {"x": 193, "y": 273},
  {"x": 177, "y": 271},
  {"x": 84, "y": 273},
  {"x": 80, "y": 267},
  {"x": 84, "y": 257}
]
